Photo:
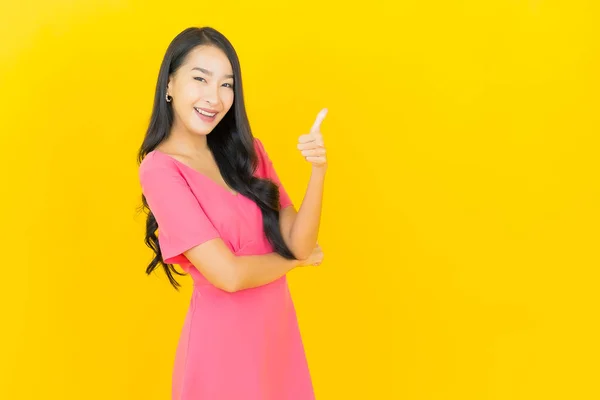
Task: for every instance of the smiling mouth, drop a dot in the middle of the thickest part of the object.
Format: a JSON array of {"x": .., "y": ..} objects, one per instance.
[{"x": 205, "y": 113}]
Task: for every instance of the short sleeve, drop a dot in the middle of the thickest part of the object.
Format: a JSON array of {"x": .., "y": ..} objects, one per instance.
[
  {"x": 269, "y": 172},
  {"x": 182, "y": 223}
]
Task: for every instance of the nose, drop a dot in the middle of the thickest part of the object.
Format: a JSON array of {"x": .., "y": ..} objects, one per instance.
[{"x": 211, "y": 96}]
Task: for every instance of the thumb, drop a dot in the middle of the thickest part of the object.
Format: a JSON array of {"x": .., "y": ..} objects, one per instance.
[{"x": 317, "y": 124}]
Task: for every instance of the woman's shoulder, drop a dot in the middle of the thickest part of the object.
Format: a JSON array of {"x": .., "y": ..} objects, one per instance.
[
  {"x": 261, "y": 153},
  {"x": 155, "y": 164},
  {"x": 258, "y": 145}
]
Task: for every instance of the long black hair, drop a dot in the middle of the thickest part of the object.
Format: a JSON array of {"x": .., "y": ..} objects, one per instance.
[{"x": 231, "y": 143}]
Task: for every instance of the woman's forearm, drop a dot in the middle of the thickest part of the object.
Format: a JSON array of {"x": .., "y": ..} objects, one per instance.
[
  {"x": 305, "y": 229},
  {"x": 257, "y": 270}
]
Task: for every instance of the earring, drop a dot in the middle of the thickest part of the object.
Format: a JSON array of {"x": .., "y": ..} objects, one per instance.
[{"x": 168, "y": 98}]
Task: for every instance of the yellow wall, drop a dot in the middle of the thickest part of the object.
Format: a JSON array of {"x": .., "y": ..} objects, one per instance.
[{"x": 461, "y": 219}]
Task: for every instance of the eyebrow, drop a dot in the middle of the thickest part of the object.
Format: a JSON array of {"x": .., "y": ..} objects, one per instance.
[{"x": 209, "y": 73}]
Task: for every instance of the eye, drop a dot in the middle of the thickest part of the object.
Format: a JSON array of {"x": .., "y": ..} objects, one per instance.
[
  {"x": 199, "y": 77},
  {"x": 230, "y": 85}
]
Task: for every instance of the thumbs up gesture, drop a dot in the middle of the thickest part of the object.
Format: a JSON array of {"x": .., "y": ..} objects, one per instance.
[{"x": 311, "y": 145}]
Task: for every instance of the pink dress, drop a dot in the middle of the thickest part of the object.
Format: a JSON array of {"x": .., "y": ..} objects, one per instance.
[{"x": 233, "y": 346}]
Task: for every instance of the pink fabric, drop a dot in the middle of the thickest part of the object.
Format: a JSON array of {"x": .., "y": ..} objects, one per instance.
[{"x": 244, "y": 345}]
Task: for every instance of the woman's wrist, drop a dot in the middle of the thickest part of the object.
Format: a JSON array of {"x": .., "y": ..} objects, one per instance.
[
  {"x": 299, "y": 262},
  {"x": 319, "y": 169},
  {"x": 294, "y": 263}
]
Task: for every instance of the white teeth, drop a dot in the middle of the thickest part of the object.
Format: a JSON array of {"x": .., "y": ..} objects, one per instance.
[{"x": 205, "y": 113}]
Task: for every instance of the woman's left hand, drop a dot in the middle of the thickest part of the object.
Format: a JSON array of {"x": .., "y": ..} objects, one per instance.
[{"x": 311, "y": 145}]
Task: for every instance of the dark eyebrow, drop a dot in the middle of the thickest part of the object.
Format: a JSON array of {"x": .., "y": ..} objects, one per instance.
[{"x": 207, "y": 72}]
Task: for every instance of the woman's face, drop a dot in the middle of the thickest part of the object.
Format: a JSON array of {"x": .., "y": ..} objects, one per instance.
[{"x": 202, "y": 85}]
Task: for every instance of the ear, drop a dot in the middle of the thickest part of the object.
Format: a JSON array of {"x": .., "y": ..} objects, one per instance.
[{"x": 169, "y": 84}]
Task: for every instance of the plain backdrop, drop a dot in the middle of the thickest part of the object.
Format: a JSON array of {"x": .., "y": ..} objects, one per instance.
[{"x": 461, "y": 214}]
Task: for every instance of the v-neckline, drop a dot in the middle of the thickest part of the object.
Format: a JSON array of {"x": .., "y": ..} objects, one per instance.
[{"x": 226, "y": 189}]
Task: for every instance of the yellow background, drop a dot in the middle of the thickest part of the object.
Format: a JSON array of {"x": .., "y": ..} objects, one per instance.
[{"x": 461, "y": 216}]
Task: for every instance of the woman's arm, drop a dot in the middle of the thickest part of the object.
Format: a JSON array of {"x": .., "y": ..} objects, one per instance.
[
  {"x": 253, "y": 271},
  {"x": 231, "y": 273},
  {"x": 301, "y": 229}
]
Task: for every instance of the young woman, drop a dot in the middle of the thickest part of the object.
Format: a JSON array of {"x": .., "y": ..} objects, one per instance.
[{"x": 224, "y": 217}]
